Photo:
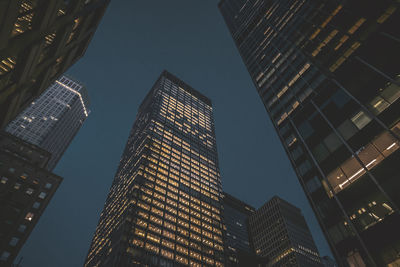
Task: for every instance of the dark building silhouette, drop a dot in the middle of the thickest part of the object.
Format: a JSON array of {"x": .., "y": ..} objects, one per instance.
[
  {"x": 235, "y": 215},
  {"x": 328, "y": 261},
  {"x": 40, "y": 40},
  {"x": 279, "y": 232},
  {"x": 328, "y": 75},
  {"x": 164, "y": 205},
  {"x": 26, "y": 188},
  {"x": 54, "y": 118}
]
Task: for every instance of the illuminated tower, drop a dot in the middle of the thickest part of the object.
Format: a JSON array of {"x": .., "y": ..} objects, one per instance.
[
  {"x": 39, "y": 41},
  {"x": 54, "y": 118},
  {"x": 328, "y": 75},
  {"x": 164, "y": 205}
]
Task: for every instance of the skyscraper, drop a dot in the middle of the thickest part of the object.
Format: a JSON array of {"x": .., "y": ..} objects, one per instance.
[
  {"x": 235, "y": 215},
  {"x": 327, "y": 73},
  {"x": 279, "y": 232},
  {"x": 54, "y": 118},
  {"x": 26, "y": 188},
  {"x": 39, "y": 41},
  {"x": 164, "y": 205}
]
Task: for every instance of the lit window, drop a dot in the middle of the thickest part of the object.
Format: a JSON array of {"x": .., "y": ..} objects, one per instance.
[
  {"x": 29, "y": 216},
  {"x": 360, "y": 119},
  {"x": 29, "y": 191}
]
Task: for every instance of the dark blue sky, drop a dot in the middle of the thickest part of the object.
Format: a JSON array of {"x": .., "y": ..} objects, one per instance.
[{"x": 135, "y": 41}]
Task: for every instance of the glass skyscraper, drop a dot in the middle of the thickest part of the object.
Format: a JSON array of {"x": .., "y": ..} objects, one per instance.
[
  {"x": 235, "y": 215},
  {"x": 328, "y": 75},
  {"x": 279, "y": 233},
  {"x": 54, "y": 118},
  {"x": 39, "y": 41},
  {"x": 164, "y": 205}
]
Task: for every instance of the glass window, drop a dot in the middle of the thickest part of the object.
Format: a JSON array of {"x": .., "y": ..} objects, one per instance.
[
  {"x": 13, "y": 241},
  {"x": 36, "y": 205},
  {"x": 340, "y": 98},
  {"x": 22, "y": 228},
  {"x": 42, "y": 195},
  {"x": 391, "y": 93},
  {"x": 4, "y": 255},
  {"x": 48, "y": 186},
  {"x": 347, "y": 129},
  {"x": 305, "y": 129},
  {"x": 29, "y": 191},
  {"x": 29, "y": 216},
  {"x": 360, "y": 119},
  {"x": 304, "y": 167},
  {"x": 332, "y": 142},
  {"x": 313, "y": 184},
  {"x": 4, "y": 180},
  {"x": 320, "y": 152},
  {"x": 378, "y": 104}
]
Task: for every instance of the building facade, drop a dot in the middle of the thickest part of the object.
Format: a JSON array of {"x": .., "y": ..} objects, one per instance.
[
  {"x": 328, "y": 261},
  {"x": 54, "y": 118},
  {"x": 279, "y": 232},
  {"x": 39, "y": 41},
  {"x": 235, "y": 215},
  {"x": 164, "y": 205},
  {"x": 328, "y": 75},
  {"x": 26, "y": 188}
]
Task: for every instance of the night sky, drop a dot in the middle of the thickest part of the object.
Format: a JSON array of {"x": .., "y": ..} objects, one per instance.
[{"x": 134, "y": 43}]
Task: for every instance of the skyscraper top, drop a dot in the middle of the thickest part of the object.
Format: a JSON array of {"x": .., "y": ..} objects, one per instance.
[
  {"x": 53, "y": 119},
  {"x": 186, "y": 87}
]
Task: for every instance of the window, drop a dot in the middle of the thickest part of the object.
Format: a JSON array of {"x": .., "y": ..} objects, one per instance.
[
  {"x": 48, "y": 186},
  {"x": 304, "y": 167},
  {"x": 360, "y": 119},
  {"x": 29, "y": 191},
  {"x": 347, "y": 129},
  {"x": 36, "y": 205},
  {"x": 305, "y": 129},
  {"x": 4, "y": 256},
  {"x": 22, "y": 228},
  {"x": 42, "y": 195},
  {"x": 320, "y": 152},
  {"x": 313, "y": 185},
  {"x": 4, "y": 180},
  {"x": 13, "y": 241},
  {"x": 332, "y": 142},
  {"x": 29, "y": 216}
]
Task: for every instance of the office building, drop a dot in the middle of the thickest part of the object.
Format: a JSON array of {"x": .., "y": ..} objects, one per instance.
[
  {"x": 278, "y": 231},
  {"x": 164, "y": 205},
  {"x": 26, "y": 188},
  {"x": 54, "y": 118},
  {"x": 327, "y": 73},
  {"x": 328, "y": 261},
  {"x": 39, "y": 41},
  {"x": 235, "y": 216}
]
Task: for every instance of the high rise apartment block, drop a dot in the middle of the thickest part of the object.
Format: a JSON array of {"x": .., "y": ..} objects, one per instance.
[
  {"x": 54, "y": 118},
  {"x": 279, "y": 232},
  {"x": 39, "y": 41},
  {"x": 328, "y": 75},
  {"x": 164, "y": 205}
]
